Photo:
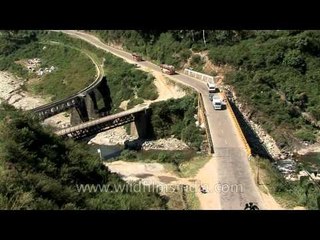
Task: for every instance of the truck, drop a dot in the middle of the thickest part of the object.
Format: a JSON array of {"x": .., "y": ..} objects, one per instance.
[
  {"x": 217, "y": 102},
  {"x": 168, "y": 69},
  {"x": 136, "y": 57}
]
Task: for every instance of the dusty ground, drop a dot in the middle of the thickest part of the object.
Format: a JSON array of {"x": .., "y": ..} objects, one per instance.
[
  {"x": 311, "y": 148},
  {"x": 26, "y": 101},
  {"x": 156, "y": 174},
  {"x": 299, "y": 208},
  {"x": 119, "y": 136},
  {"x": 269, "y": 202},
  {"x": 165, "y": 144},
  {"x": 148, "y": 173},
  {"x": 112, "y": 137},
  {"x": 207, "y": 176},
  {"x": 124, "y": 104},
  {"x": 10, "y": 91},
  {"x": 61, "y": 120},
  {"x": 165, "y": 89},
  {"x": 8, "y": 85},
  {"x": 153, "y": 175}
]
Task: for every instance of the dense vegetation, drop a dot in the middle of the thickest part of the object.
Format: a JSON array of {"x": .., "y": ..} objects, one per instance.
[
  {"x": 290, "y": 193},
  {"x": 275, "y": 72},
  {"x": 39, "y": 170},
  {"x": 171, "y": 46},
  {"x": 128, "y": 83},
  {"x": 161, "y": 47},
  {"x": 176, "y": 117},
  {"x": 185, "y": 163}
]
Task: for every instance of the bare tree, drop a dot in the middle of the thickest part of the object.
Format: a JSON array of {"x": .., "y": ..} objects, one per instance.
[{"x": 204, "y": 38}]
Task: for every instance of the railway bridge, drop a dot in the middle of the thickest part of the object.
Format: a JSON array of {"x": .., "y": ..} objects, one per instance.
[{"x": 83, "y": 104}]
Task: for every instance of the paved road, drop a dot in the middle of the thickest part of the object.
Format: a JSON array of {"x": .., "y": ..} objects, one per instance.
[{"x": 236, "y": 183}]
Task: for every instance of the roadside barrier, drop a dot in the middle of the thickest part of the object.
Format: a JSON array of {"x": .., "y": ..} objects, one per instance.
[
  {"x": 211, "y": 149},
  {"x": 198, "y": 75},
  {"x": 235, "y": 120}
]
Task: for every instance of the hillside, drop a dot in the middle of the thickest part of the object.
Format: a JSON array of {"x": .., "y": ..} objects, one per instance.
[
  {"x": 38, "y": 170},
  {"x": 275, "y": 73}
]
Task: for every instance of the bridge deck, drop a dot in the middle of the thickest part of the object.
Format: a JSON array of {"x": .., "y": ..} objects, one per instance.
[{"x": 100, "y": 121}]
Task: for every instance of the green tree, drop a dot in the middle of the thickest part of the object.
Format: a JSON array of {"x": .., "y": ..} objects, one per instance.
[{"x": 294, "y": 59}]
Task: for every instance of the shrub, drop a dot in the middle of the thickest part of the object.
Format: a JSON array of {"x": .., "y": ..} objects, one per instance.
[
  {"x": 134, "y": 102},
  {"x": 305, "y": 135},
  {"x": 128, "y": 154},
  {"x": 176, "y": 117},
  {"x": 164, "y": 157},
  {"x": 148, "y": 92}
]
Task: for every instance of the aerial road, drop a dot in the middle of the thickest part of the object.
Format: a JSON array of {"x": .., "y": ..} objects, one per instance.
[{"x": 229, "y": 176}]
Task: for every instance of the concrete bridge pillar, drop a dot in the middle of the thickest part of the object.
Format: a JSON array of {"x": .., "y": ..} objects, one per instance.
[
  {"x": 79, "y": 114},
  {"x": 105, "y": 94},
  {"x": 141, "y": 126},
  {"x": 133, "y": 130},
  {"x": 91, "y": 105}
]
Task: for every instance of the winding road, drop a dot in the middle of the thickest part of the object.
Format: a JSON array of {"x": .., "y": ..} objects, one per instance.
[{"x": 228, "y": 175}]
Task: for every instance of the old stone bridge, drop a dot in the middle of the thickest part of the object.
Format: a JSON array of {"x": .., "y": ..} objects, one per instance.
[{"x": 84, "y": 103}]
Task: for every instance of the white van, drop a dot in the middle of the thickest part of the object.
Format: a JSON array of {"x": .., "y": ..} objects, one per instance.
[
  {"x": 217, "y": 104},
  {"x": 211, "y": 87}
]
